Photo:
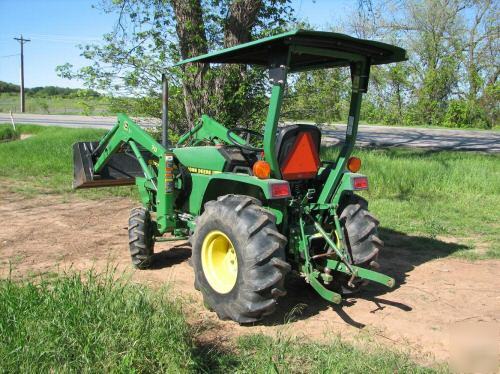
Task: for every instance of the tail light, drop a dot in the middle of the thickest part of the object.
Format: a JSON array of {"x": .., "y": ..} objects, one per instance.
[
  {"x": 280, "y": 190},
  {"x": 359, "y": 183}
]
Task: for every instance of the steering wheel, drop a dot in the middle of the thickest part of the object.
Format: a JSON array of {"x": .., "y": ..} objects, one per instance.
[{"x": 248, "y": 132}]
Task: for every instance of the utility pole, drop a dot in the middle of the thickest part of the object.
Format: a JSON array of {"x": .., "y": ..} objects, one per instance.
[{"x": 21, "y": 41}]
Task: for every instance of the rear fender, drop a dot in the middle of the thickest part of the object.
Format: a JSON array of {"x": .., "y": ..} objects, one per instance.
[
  {"x": 346, "y": 185},
  {"x": 241, "y": 184}
]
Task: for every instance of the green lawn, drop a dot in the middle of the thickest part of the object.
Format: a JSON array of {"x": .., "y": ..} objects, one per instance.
[
  {"x": 431, "y": 194},
  {"x": 55, "y": 105},
  {"x": 95, "y": 323},
  {"x": 44, "y": 162},
  {"x": 425, "y": 194}
]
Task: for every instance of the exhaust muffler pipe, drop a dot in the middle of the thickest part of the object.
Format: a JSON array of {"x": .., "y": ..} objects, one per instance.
[{"x": 164, "y": 111}]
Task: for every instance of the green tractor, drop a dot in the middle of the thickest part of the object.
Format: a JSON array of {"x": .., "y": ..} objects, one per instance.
[{"x": 254, "y": 206}]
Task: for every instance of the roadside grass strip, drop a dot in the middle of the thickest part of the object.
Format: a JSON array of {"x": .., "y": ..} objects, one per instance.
[
  {"x": 96, "y": 323},
  {"x": 439, "y": 195}
]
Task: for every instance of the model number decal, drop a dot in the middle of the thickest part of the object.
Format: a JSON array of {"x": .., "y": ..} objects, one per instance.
[{"x": 202, "y": 171}]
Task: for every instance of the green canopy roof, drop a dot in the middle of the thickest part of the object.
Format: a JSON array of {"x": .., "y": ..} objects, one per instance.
[{"x": 309, "y": 50}]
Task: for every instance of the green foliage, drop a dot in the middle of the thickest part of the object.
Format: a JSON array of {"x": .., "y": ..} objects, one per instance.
[
  {"x": 450, "y": 78},
  {"x": 132, "y": 58},
  {"x": 241, "y": 101},
  {"x": 97, "y": 323},
  {"x": 432, "y": 97},
  {"x": 465, "y": 113},
  {"x": 47, "y": 91},
  {"x": 43, "y": 105},
  {"x": 489, "y": 102},
  {"x": 8, "y": 133},
  {"x": 8, "y": 87},
  {"x": 319, "y": 96},
  {"x": 86, "y": 323}
]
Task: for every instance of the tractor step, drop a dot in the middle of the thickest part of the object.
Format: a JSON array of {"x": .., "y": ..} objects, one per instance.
[{"x": 121, "y": 169}]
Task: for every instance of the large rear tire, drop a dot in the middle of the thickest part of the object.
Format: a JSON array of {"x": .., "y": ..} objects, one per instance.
[
  {"x": 362, "y": 238},
  {"x": 239, "y": 259},
  {"x": 141, "y": 238}
]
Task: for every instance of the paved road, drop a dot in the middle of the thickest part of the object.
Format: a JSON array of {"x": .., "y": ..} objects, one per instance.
[
  {"x": 485, "y": 141},
  {"x": 61, "y": 120},
  {"x": 383, "y": 136}
]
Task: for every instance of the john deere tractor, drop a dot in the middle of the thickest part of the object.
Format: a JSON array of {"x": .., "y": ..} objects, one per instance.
[{"x": 253, "y": 205}]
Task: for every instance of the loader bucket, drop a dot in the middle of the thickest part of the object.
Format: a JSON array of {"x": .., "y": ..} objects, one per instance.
[{"x": 121, "y": 169}]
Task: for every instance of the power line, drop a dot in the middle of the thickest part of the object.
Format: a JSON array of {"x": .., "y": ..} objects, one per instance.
[
  {"x": 64, "y": 38},
  {"x": 21, "y": 41},
  {"x": 59, "y": 36},
  {"x": 5, "y": 56}
]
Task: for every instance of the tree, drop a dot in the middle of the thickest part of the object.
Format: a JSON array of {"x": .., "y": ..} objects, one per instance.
[
  {"x": 453, "y": 61},
  {"x": 151, "y": 35},
  {"x": 319, "y": 95}
]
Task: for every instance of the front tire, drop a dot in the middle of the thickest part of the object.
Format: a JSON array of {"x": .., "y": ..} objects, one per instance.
[
  {"x": 141, "y": 238},
  {"x": 239, "y": 259}
]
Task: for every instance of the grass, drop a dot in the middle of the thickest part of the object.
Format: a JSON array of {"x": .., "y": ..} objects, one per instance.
[
  {"x": 7, "y": 133},
  {"x": 416, "y": 192},
  {"x": 446, "y": 194},
  {"x": 55, "y": 105},
  {"x": 44, "y": 161},
  {"x": 70, "y": 325},
  {"x": 97, "y": 323}
]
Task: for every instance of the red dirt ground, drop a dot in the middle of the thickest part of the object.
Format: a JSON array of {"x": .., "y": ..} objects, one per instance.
[{"x": 54, "y": 233}]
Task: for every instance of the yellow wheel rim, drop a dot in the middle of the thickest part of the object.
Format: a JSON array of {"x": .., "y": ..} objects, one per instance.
[{"x": 219, "y": 261}]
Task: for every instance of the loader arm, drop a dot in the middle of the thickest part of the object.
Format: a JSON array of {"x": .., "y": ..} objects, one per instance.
[
  {"x": 156, "y": 186},
  {"x": 207, "y": 129}
]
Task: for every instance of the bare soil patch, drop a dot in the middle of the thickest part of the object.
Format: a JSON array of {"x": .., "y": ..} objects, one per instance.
[{"x": 55, "y": 233}]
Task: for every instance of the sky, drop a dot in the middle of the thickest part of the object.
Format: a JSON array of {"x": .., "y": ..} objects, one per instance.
[{"x": 56, "y": 27}]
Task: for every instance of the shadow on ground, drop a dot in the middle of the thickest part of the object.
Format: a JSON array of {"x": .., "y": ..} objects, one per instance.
[
  {"x": 172, "y": 256},
  {"x": 402, "y": 253}
]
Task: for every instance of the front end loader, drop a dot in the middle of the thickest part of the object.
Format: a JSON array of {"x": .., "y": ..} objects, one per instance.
[{"x": 254, "y": 206}]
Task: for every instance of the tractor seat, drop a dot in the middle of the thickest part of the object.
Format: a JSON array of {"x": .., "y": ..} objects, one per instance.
[{"x": 297, "y": 150}]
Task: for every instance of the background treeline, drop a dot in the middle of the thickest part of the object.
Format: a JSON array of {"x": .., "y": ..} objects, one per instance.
[
  {"x": 48, "y": 91},
  {"x": 450, "y": 78},
  {"x": 63, "y": 100}
]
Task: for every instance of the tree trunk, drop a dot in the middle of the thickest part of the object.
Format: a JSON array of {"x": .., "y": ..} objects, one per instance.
[
  {"x": 240, "y": 21},
  {"x": 238, "y": 25},
  {"x": 190, "y": 30}
]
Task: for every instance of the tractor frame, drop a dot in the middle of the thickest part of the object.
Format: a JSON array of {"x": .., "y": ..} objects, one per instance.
[{"x": 301, "y": 218}]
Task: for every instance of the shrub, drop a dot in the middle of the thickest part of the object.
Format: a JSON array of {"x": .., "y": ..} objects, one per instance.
[
  {"x": 8, "y": 133},
  {"x": 91, "y": 324},
  {"x": 464, "y": 113}
]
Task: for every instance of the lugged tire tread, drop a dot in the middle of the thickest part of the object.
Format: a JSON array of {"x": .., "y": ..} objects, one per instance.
[
  {"x": 361, "y": 229},
  {"x": 258, "y": 225},
  {"x": 141, "y": 243},
  {"x": 259, "y": 285},
  {"x": 263, "y": 258}
]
